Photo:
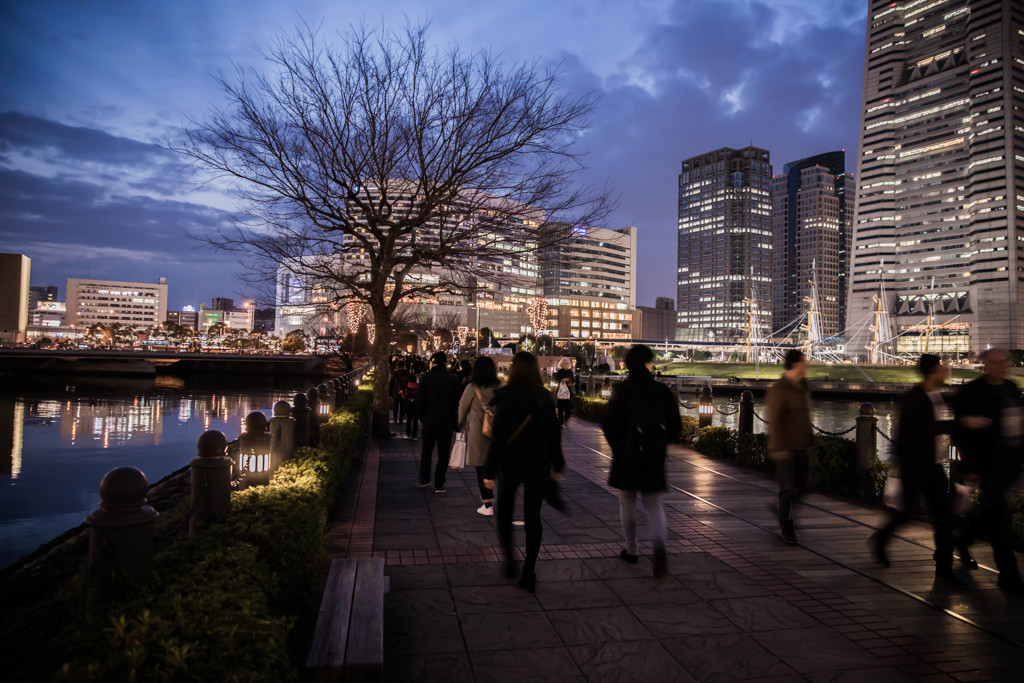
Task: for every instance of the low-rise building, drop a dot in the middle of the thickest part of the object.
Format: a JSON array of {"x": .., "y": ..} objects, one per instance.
[{"x": 106, "y": 302}]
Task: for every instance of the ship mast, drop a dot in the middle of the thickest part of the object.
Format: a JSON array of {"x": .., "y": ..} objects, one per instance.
[
  {"x": 813, "y": 326},
  {"x": 881, "y": 330}
]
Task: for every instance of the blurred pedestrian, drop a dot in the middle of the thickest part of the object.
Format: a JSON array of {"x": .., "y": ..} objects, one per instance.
[
  {"x": 990, "y": 413},
  {"x": 437, "y": 404},
  {"x": 464, "y": 372},
  {"x": 564, "y": 390},
  {"x": 919, "y": 456},
  {"x": 526, "y": 450},
  {"x": 790, "y": 437},
  {"x": 641, "y": 420},
  {"x": 473, "y": 407},
  {"x": 409, "y": 409}
]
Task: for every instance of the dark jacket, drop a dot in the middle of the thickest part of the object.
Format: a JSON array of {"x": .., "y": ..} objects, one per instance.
[
  {"x": 638, "y": 460},
  {"x": 997, "y": 448},
  {"x": 399, "y": 378},
  {"x": 564, "y": 373},
  {"x": 916, "y": 432},
  {"x": 537, "y": 449},
  {"x": 438, "y": 397},
  {"x": 788, "y": 404}
]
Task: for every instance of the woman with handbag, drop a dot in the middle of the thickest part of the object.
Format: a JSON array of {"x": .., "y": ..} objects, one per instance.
[
  {"x": 526, "y": 449},
  {"x": 475, "y": 420}
]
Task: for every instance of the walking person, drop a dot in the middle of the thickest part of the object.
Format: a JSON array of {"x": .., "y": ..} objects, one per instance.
[
  {"x": 473, "y": 407},
  {"x": 920, "y": 460},
  {"x": 412, "y": 418},
  {"x": 990, "y": 415},
  {"x": 641, "y": 420},
  {"x": 790, "y": 437},
  {"x": 564, "y": 390},
  {"x": 437, "y": 404},
  {"x": 399, "y": 380},
  {"x": 526, "y": 450}
]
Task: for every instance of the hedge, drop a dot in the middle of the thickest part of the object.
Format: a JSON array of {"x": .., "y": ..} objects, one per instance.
[{"x": 220, "y": 605}]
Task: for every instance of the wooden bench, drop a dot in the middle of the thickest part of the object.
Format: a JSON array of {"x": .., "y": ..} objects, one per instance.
[{"x": 348, "y": 644}]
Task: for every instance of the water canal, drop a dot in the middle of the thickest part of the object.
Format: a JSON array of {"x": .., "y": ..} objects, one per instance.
[{"x": 59, "y": 437}]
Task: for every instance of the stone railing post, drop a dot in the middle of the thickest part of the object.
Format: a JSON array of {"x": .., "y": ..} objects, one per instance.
[
  {"x": 121, "y": 529},
  {"x": 705, "y": 408},
  {"x": 254, "y": 450},
  {"x": 746, "y": 412},
  {"x": 313, "y": 401},
  {"x": 210, "y": 496},
  {"x": 300, "y": 413},
  {"x": 282, "y": 434},
  {"x": 867, "y": 448}
]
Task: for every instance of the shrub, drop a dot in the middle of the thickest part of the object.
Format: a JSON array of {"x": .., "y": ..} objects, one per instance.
[
  {"x": 589, "y": 408},
  {"x": 220, "y": 605},
  {"x": 716, "y": 442},
  {"x": 691, "y": 426},
  {"x": 836, "y": 471}
]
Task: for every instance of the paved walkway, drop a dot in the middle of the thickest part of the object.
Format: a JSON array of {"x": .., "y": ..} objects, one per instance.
[{"x": 737, "y": 605}]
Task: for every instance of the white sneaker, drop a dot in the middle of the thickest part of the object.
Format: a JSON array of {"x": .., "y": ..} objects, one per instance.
[{"x": 486, "y": 510}]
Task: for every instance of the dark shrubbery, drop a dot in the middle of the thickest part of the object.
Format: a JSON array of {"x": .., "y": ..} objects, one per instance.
[{"x": 220, "y": 605}]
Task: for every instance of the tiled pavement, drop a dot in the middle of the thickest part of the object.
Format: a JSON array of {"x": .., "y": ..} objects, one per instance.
[{"x": 737, "y": 605}]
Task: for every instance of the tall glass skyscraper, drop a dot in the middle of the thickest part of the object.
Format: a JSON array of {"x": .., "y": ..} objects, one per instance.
[
  {"x": 813, "y": 209},
  {"x": 725, "y": 243},
  {"x": 940, "y": 198}
]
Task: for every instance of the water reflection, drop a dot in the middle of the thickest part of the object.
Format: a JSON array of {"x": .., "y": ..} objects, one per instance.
[{"x": 58, "y": 439}]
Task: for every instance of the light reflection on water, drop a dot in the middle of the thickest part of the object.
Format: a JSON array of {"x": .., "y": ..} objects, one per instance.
[
  {"x": 832, "y": 416},
  {"x": 56, "y": 445}
]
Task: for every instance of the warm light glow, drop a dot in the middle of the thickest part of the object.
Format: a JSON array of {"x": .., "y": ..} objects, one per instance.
[
  {"x": 355, "y": 312},
  {"x": 371, "y": 332},
  {"x": 537, "y": 309}
]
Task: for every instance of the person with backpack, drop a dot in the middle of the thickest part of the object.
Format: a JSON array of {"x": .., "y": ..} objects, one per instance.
[
  {"x": 641, "y": 420},
  {"x": 476, "y": 419},
  {"x": 525, "y": 450},
  {"x": 563, "y": 392}
]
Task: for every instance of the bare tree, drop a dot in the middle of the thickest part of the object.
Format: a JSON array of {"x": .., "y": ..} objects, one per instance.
[{"x": 379, "y": 169}]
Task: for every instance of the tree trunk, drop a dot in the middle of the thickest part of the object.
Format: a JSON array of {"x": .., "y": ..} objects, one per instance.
[{"x": 380, "y": 426}]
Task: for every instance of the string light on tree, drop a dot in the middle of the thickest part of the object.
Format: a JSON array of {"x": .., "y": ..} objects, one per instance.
[
  {"x": 463, "y": 335},
  {"x": 537, "y": 309},
  {"x": 371, "y": 332},
  {"x": 355, "y": 311}
]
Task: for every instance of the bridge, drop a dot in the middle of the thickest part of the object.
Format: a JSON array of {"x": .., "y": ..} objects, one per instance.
[{"x": 148, "y": 363}]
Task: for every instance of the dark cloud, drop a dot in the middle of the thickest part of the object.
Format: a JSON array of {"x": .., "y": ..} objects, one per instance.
[{"x": 710, "y": 77}]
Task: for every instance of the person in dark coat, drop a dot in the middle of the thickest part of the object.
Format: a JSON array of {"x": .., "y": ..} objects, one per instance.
[
  {"x": 437, "y": 404},
  {"x": 525, "y": 450},
  {"x": 641, "y": 420},
  {"x": 990, "y": 414},
  {"x": 921, "y": 423},
  {"x": 399, "y": 379}
]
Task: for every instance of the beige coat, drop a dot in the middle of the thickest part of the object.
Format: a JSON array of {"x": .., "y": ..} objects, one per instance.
[{"x": 471, "y": 420}]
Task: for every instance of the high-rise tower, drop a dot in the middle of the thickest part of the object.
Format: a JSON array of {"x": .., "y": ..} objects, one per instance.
[
  {"x": 812, "y": 202},
  {"x": 725, "y": 243},
  {"x": 940, "y": 203}
]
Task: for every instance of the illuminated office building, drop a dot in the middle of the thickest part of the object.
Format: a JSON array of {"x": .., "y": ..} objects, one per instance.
[
  {"x": 724, "y": 243},
  {"x": 941, "y": 190},
  {"x": 135, "y": 304}
]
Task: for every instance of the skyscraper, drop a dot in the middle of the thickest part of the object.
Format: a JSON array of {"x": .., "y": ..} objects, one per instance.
[
  {"x": 813, "y": 210},
  {"x": 589, "y": 281},
  {"x": 941, "y": 188},
  {"x": 725, "y": 243}
]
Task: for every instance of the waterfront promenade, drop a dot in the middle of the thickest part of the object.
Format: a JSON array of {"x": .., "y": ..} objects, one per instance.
[{"x": 738, "y": 605}]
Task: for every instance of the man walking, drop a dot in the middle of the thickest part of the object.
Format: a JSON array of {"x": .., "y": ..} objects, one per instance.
[
  {"x": 437, "y": 404},
  {"x": 920, "y": 460},
  {"x": 990, "y": 414},
  {"x": 790, "y": 437}
]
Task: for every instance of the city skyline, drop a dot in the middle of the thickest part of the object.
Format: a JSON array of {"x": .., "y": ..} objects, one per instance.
[{"x": 87, "y": 194}]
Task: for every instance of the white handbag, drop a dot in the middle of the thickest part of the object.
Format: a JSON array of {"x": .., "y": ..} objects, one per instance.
[{"x": 457, "y": 459}]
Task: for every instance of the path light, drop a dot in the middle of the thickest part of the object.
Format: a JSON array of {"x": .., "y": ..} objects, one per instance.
[
  {"x": 254, "y": 449},
  {"x": 606, "y": 388},
  {"x": 705, "y": 408}
]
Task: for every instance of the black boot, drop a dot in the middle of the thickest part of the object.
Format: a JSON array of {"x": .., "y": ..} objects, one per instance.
[
  {"x": 789, "y": 533},
  {"x": 660, "y": 562}
]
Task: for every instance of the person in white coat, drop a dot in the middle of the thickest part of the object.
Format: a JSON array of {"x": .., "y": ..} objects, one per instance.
[{"x": 475, "y": 402}]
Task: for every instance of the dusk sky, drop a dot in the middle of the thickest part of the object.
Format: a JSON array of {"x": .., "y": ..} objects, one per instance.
[{"x": 88, "y": 86}]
